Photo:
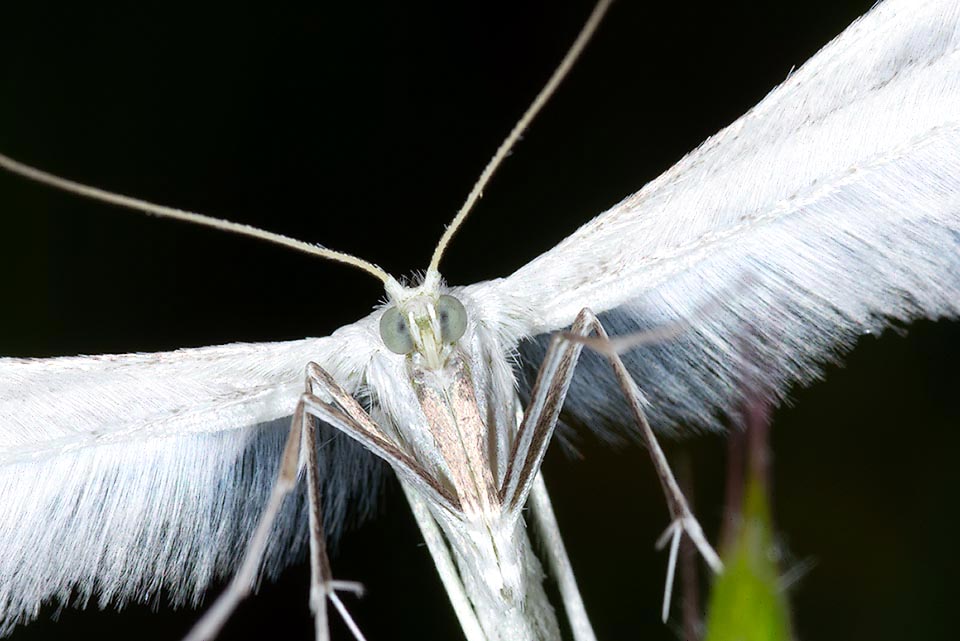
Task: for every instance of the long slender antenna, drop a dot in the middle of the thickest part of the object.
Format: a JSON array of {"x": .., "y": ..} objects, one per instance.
[
  {"x": 161, "y": 211},
  {"x": 548, "y": 89}
]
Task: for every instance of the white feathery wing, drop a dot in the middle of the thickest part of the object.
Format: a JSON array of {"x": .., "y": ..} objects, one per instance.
[
  {"x": 825, "y": 211},
  {"x": 137, "y": 464}
]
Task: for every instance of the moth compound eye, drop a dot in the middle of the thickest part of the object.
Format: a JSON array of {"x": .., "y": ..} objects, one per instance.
[
  {"x": 395, "y": 332},
  {"x": 452, "y": 317}
]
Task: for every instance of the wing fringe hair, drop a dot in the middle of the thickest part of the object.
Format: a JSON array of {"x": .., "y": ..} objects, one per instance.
[
  {"x": 161, "y": 520},
  {"x": 830, "y": 210}
]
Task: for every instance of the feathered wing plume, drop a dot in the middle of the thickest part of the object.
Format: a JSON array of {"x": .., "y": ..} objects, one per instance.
[
  {"x": 828, "y": 211},
  {"x": 141, "y": 477}
]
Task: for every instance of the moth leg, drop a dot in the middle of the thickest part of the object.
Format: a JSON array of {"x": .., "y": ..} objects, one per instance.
[
  {"x": 533, "y": 436},
  {"x": 683, "y": 519},
  {"x": 336, "y": 407},
  {"x": 540, "y": 418},
  {"x": 560, "y": 565},
  {"x": 523, "y": 479},
  {"x": 240, "y": 586},
  {"x": 340, "y": 410},
  {"x": 322, "y": 585},
  {"x": 443, "y": 561}
]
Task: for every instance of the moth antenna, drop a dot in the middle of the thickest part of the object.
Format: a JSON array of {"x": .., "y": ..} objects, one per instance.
[
  {"x": 548, "y": 90},
  {"x": 161, "y": 211}
]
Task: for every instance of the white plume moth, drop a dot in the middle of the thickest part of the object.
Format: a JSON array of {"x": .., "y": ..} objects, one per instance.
[{"x": 315, "y": 299}]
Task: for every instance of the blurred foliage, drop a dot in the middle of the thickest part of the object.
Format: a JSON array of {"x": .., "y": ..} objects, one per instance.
[{"x": 747, "y": 602}]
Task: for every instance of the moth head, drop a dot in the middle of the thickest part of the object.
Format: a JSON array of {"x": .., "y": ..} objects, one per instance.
[{"x": 421, "y": 321}]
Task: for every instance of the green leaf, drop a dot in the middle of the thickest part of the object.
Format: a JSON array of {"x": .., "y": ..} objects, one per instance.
[{"x": 746, "y": 603}]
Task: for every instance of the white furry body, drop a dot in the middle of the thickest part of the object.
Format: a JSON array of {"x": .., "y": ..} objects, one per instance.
[{"x": 835, "y": 200}]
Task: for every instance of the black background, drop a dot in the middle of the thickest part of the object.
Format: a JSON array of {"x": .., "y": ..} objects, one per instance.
[{"x": 363, "y": 126}]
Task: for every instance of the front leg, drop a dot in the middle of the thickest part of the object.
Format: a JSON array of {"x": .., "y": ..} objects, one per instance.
[
  {"x": 533, "y": 436},
  {"x": 301, "y": 439},
  {"x": 683, "y": 519}
]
